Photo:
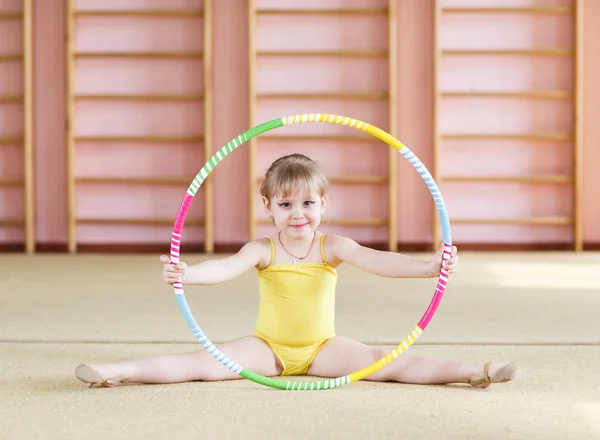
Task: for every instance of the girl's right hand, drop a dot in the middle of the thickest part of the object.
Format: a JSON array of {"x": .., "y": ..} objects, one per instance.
[{"x": 172, "y": 273}]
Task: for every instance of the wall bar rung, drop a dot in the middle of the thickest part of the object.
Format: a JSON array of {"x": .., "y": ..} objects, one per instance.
[
  {"x": 11, "y": 99},
  {"x": 137, "y": 180},
  {"x": 551, "y": 178},
  {"x": 551, "y": 137},
  {"x": 11, "y": 16},
  {"x": 518, "y": 52},
  {"x": 156, "y": 139},
  {"x": 8, "y": 181},
  {"x": 541, "y": 221},
  {"x": 140, "y": 97},
  {"x": 11, "y": 140},
  {"x": 352, "y": 179},
  {"x": 320, "y": 137},
  {"x": 136, "y": 221},
  {"x": 11, "y": 57},
  {"x": 324, "y": 54},
  {"x": 166, "y": 13},
  {"x": 323, "y": 11},
  {"x": 155, "y": 55},
  {"x": 530, "y": 94},
  {"x": 360, "y": 180},
  {"x": 11, "y": 223},
  {"x": 349, "y": 96},
  {"x": 545, "y": 10}
]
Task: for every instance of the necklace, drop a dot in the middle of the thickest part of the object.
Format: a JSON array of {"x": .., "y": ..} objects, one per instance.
[{"x": 295, "y": 258}]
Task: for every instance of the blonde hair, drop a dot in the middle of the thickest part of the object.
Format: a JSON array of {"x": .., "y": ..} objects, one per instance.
[{"x": 286, "y": 173}]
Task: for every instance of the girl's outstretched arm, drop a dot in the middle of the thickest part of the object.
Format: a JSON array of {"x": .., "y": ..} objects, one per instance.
[
  {"x": 214, "y": 271},
  {"x": 384, "y": 263}
]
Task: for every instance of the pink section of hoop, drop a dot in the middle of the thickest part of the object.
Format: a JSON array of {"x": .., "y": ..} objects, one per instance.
[
  {"x": 439, "y": 291},
  {"x": 178, "y": 228}
]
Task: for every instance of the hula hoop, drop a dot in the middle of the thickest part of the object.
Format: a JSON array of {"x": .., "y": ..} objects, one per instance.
[{"x": 389, "y": 357}]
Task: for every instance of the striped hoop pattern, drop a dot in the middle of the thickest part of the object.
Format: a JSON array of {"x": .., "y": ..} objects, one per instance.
[{"x": 245, "y": 137}]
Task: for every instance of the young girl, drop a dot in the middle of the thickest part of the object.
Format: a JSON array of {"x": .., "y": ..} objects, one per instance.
[{"x": 294, "y": 332}]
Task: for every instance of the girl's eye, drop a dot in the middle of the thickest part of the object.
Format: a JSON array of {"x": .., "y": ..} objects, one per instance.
[
  {"x": 309, "y": 202},
  {"x": 284, "y": 205}
]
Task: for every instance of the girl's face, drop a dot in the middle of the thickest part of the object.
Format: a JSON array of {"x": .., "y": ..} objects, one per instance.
[{"x": 298, "y": 215}]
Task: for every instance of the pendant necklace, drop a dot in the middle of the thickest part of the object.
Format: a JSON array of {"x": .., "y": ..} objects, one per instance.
[{"x": 295, "y": 258}]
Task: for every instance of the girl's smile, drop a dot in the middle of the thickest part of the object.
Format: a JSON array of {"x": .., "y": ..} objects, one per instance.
[{"x": 299, "y": 226}]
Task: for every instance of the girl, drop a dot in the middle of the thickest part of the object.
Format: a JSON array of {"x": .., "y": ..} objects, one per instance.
[{"x": 294, "y": 332}]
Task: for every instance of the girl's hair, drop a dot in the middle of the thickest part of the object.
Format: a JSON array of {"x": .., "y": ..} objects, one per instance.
[{"x": 287, "y": 172}]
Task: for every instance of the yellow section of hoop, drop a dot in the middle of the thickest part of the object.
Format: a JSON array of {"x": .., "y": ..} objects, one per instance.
[{"x": 349, "y": 122}]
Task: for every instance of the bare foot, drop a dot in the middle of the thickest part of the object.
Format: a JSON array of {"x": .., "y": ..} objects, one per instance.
[{"x": 495, "y": 372}]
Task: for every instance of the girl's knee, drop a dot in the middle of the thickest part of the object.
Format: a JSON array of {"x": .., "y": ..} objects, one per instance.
[
  {"x": 207, "y": 368},
  {"x": 383, "y": 375},
  {"x": 379, "y": 352}
]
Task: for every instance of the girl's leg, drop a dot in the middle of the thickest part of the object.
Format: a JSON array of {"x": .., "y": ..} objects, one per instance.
[
  {"x": 250, "y": 352},
  {"x": 341, "y": 356}
]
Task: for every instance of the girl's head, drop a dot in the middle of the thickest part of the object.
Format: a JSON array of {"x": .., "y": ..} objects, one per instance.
[{"x": 294, "y": 193}]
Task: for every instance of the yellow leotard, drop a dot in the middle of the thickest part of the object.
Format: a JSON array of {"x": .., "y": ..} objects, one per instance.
[{"x": 297, "y": 309}]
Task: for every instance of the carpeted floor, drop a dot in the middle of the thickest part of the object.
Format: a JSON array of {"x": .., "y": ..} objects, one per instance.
[{"x": 539, "y": 309}]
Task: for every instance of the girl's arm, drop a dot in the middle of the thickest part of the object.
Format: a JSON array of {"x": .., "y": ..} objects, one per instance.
[
  {"x": 214, "y": 271},
  {"x": 384, "y": 263}
]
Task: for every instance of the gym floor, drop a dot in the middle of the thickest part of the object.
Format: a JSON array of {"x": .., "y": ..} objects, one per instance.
[{"x": 538, "y": 309}]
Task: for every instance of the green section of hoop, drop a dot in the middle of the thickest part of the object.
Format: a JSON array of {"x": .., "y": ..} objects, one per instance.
[
  {"x": 263, "y": 380},
  {"x": 228, "y": 148},
  {"x": 300, "y": 386}
]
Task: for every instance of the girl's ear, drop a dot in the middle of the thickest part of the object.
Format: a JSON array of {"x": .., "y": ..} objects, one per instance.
[
  {"x": 267, "y": 206},
  {"x": 323, "y": 203}
]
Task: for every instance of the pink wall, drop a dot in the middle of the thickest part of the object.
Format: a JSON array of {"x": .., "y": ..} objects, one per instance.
[
  {"x": 230, "y": 109},
  {"x": 231, "y": 117},
  {"x": 50, "y": 110}
]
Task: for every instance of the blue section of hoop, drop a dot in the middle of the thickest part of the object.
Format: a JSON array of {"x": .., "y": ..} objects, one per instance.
[{"x": 434, "y": 190}]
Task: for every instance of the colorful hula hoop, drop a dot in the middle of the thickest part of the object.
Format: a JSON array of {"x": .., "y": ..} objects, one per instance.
[{"x": 389, "y": 357}]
